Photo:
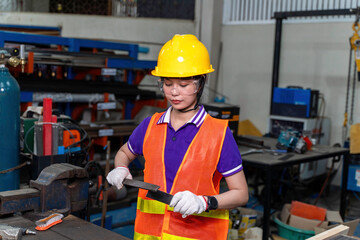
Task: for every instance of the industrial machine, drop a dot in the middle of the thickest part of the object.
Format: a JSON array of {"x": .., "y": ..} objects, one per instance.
[
  {"x": 317, "y": 129},
  {"x": 295, "y": 102}
]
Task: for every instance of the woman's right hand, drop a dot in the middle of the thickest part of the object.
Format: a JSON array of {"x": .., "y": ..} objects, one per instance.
[{"x": 117, "y": 176}]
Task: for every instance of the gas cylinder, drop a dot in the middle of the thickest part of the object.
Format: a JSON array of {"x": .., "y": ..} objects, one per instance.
[{"x": 9, "y": 129}]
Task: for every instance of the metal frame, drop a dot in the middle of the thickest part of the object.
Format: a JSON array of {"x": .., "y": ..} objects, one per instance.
[
  {"x": 74, "y": 45},
  {"x": 279, "y": 17},
  {"x": 45, "y": 28}
]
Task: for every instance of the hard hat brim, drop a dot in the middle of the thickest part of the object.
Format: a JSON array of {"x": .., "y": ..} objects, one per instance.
[{"x": 179, "y": 75}]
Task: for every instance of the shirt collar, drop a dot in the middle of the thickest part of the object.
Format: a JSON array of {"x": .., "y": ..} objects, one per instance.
[{"x": 197, "y": 119}]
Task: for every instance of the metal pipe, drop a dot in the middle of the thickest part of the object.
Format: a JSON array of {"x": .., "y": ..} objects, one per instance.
[
  {"x": 276, "y": 61},
  {"x": 71, "y": 97},
  {"x": 107, "y": 169},
  {"x": 22, "y": 57}
]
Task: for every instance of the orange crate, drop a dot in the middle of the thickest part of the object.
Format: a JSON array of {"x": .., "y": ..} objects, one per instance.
[{"x": 308, "y": 211}]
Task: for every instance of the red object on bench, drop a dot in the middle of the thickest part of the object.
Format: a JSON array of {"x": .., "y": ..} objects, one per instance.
[{"x": 47, "y": 128}]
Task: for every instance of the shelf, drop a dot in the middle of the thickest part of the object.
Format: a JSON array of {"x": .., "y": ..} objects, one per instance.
[{"x": 121, "y": 90}]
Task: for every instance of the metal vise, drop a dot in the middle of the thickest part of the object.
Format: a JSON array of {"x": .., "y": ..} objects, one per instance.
[{"x": 61, "y": 187}]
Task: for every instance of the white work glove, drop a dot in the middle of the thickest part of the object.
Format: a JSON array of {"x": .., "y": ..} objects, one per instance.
[
  {"x": 187, "y": 203},
  {"x": 117, "y": 176}
]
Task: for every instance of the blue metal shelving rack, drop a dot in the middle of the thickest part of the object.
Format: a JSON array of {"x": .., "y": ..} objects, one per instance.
[{"x": 75, "y": 45}]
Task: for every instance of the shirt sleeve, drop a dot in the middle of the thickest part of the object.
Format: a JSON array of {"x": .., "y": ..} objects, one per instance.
[
  {"x": 136, "y": 139},
  {"x": 230, "y": 160}
]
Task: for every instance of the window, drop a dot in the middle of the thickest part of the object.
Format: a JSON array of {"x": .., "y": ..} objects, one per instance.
[{"x": 262, "y": 11}]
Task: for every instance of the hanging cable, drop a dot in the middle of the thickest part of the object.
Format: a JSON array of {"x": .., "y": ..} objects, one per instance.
[
  {"x": 16, "y": 167},
  {"x": 352, "y": 99},
  {"x": 344, "y": 133},
  {"x": 325, "y": 183}
]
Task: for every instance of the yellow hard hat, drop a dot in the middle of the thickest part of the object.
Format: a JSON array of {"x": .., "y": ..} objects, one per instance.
[{"x": 183, "y": 56}]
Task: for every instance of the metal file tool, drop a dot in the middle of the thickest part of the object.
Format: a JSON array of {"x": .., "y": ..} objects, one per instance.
[{"x": 153, "y": 190}]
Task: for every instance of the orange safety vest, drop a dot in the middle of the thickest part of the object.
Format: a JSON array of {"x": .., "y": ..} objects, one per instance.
[{"x": 197, "y": 173}]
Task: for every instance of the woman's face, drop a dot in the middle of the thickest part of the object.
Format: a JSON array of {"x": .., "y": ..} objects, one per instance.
[{"x": 180, "y": 93}]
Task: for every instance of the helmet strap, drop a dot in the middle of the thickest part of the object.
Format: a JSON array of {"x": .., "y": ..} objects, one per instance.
[{"x": 192, "y": 109}]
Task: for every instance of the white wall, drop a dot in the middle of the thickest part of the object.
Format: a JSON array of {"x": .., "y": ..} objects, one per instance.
[
  {"x": 246, "y": 67},
  {"x": 313, "y": 55}
]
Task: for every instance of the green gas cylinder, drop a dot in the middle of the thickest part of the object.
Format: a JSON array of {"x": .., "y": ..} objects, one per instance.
[{"x": 9, "y": 129}]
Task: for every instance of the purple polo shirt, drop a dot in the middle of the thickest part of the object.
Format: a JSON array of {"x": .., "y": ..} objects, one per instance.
[{"x": 177, "y": 143}]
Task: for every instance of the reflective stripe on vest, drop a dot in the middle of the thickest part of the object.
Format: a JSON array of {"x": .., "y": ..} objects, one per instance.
[
  {"x": 220, "y": 213},
  {"x": 167, "y": 236},
  {"x": 139, "y": 236},
  {"x": 156, "y": 207},
  {"x": 150, "y": 206}
]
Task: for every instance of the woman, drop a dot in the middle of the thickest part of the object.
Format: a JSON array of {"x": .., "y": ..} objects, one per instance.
[{"x": 186, "y": 152}]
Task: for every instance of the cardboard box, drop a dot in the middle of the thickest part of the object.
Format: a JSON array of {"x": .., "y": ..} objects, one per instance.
[
  {"x": 248, "y": 220},
  {"x": 276, "y": 237},
  {"x": 332, "y": 220},
  {"x": 308, "y": 224},
  {"x": 225, "y": 111},
  {"x": 241, "y": 220}
]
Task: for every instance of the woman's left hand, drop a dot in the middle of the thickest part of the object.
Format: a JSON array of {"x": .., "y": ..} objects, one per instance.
[{"x": 187, "y": 203}]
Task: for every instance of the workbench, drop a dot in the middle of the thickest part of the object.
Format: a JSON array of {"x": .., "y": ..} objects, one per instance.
[
  {"x": 269, "y": 162},
  {"x": 72, "y": 228}
]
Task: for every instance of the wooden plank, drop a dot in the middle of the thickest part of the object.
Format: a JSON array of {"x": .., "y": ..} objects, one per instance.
[
  {"x": 344, "y": 237},
  {"x": 341, "y": 229}
]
